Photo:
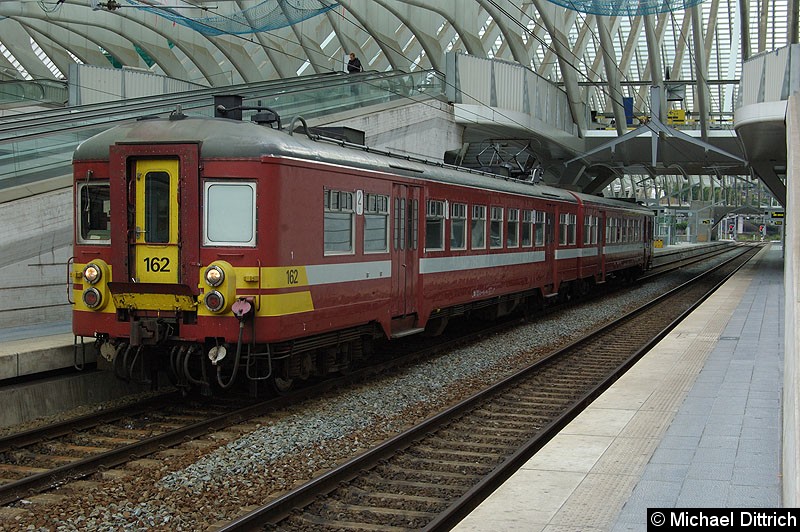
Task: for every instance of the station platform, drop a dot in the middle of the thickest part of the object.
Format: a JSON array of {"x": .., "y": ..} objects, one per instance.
[{"x": 695, "y": 423}]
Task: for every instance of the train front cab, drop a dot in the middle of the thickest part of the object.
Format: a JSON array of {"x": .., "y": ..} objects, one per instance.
[
  {"x": 137, "y": 282},
  {"x": 157, "y": 256}
]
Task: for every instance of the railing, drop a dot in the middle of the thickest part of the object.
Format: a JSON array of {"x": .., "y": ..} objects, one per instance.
[
  {"x": 770, "y": 76},
  {"x": 38, "y": 146},
  {"x": 35, "y": 92},
  {"x": 509, "y": 86}
]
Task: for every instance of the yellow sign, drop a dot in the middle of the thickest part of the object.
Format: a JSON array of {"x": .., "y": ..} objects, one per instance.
[
  {"x": 676, "y": 117},
  {"x": 778, "y": 214}
]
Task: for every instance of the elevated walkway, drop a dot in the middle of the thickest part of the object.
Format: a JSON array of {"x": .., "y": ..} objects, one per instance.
[
  {"x": 23, "y": 93},
  {"x": 36, "y": 148},
  {"x": 511, "y": 114}
]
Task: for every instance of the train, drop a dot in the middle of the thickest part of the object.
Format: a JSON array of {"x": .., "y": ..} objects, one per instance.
[{"x": 221, "y": 250}]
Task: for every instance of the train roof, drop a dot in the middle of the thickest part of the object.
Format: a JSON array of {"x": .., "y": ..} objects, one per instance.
[{"x": 226, "y": 138}]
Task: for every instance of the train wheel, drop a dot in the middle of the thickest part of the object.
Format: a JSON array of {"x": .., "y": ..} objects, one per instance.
[{"x": 280, "y": 385}]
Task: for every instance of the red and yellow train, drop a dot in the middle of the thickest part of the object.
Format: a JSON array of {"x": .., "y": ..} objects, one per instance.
[{"x": 225, "y": 250}]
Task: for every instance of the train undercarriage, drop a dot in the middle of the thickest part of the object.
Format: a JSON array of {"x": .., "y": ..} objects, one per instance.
[{"x": 155, "y": 348}]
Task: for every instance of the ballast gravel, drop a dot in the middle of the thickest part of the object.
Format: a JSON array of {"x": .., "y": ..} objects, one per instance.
[{"x": 207, "y": 484}]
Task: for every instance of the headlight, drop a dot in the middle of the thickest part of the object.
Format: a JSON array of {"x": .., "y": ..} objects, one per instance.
[
  {"x": 214, "y": 275},
  {"x": 92, "y": 273},
  {"x": 214, "y": 301},
  {"x": 92, "y": 298}
]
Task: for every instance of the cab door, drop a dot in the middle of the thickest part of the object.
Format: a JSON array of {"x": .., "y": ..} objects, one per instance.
[{"x": 156, "y": 222}]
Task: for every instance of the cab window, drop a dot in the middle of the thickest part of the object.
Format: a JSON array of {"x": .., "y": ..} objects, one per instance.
[
  {"x": 94, "y": 213},
  {"x": 230, "y": 214}
]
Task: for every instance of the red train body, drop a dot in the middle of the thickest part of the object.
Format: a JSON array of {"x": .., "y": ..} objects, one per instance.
[{"x": 203, "y": 238}]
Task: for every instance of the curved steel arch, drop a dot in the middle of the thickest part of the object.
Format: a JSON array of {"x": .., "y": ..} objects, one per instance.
[
  {"x": 378, "y": 24},
  {"x": 424, "y": 39},
  {"x": 79, "y": 26}
]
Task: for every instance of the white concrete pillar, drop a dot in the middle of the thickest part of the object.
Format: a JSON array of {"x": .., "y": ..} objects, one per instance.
[{"x": 791, "y": 272}]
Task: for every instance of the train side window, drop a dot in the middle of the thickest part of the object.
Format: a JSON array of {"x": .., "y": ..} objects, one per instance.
[
  {"x": 94, "y": 213},
  {"x": 496, "y": 228},
  {"x": 376, "y": 223},
  {"x": 589, "y": 229},
  {"x": 413, "y": 225},
  {"x": 540, "y": 227},
  {"x": 434, "y": 226},
  {"x": 567, "y": 228},
  {"x": 562, "y": 229},
  {"x": 478, "y": 227},
  {"x": 614, "y": 232},
  {"x": 527, "y": 229},
  {"x": 458, "y": 226},
  {"x": 572, "y": 221},
  {"x": 399, "y": 223},
  {"x": 230, "y": 214},
  {"x": 339, "y": 225},
  {"x": 512, "y": 228}
]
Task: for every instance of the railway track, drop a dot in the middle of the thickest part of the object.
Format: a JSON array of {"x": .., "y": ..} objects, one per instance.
[
  {"x": 432, "y": 475},
  {"x": 39, "y": 459}
]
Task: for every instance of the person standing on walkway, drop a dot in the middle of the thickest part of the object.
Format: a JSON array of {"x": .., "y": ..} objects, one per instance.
[{"x": 354, "y": 65}]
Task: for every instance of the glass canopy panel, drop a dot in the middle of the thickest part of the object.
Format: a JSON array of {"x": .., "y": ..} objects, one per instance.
[
  {"x": 264, "y": 16},
  {"x": 626, "y": 7}
]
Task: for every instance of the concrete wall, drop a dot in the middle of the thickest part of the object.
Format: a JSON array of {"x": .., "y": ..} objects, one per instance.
[
  {"x": 428, "y": 129},
  {"x": 24, "y": 402},
  {"x": 791, "y": 384},
  {"x": 93, "y": 84},
  {"x": 35, "y": 244}
]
